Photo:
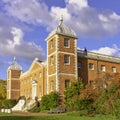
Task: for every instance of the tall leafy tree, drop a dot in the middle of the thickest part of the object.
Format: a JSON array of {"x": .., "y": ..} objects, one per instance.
[{"x": 72, "y": 93}]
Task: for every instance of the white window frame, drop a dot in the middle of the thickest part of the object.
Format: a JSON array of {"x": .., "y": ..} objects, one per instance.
[
  {"x": 103, "y": 68},
  {"x": 91, "y": 66},
  {"x": 66, "y": 59},
  {"x": 51, "y": 60},
  {"x": 66, "y": 43},
  {"x": 67, "y": 83},
  {"x": 52, "y": 85},
  {"x": 40, "y": 74},
  {"x": 114, "y": 69},
  {"x": 51, "y": 44}
]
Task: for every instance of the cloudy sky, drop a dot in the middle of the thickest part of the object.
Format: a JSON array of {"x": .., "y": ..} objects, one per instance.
[{"x": 24, "y": 25}]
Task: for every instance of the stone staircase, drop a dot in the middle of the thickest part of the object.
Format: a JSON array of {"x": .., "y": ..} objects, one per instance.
[
  {"x": 29, "y": 104},
  {"x": 23, "y": 105},
  {"x": 19, "y": 106}
]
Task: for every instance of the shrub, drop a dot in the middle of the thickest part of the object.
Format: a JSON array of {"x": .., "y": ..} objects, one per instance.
[
  {"x": 49, "y": 101},
  {"x": 117, "y": 109},
  {"x": 35, "y": 109},
  {"x": 8, "y": 103},
  {"x": 72, "y": 95}
]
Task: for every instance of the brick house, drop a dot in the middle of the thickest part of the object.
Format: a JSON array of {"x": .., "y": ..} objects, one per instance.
[{"x": 64, "y": 65}]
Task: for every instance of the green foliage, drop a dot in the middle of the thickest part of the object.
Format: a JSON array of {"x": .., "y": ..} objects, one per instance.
[
  {"x": 117, "y": 109},
  {"x": 49, "y": 101},
  {"x": 105, "y": 103},
  {"x": 35, "y": 109},
  {"x": 72, "y": 94},
  {"x": 95, "y": 100},
  {"x": 45, "y": 102},
  {"x": 7, "y": 103},
  {"x": 3, "y": 89}
]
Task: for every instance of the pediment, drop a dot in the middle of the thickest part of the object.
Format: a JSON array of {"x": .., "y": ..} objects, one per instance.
[{"x": 34, "y": 66}]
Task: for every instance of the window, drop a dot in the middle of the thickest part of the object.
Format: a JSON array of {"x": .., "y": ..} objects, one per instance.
[
  {"x": 114, "y": 69},
  {"x": 66, "y": 59},
  {"x": 79, "y": 65},
  {"x": 103, "y": 68},
  {"x": 51, "y": 60},
  {"x": 51, "y": 44},
  {"x": 52, "y": 85},
  {"x": 40, "y": 75},
  {"x": 91, "y": 82},
  {"x": 66, "y": 43},
  {"x": 67, "y": 83},
  {"x": 91, "y": 66}
]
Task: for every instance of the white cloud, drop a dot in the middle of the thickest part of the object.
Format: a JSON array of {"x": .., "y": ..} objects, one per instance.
[
  {"x": 112, "y": 51},
  {"x": 85, "y": 20},
  {"x": 77, "y": 4},
  {"x": 30, "y": 11},
  {"x": 18, "y": 47}
]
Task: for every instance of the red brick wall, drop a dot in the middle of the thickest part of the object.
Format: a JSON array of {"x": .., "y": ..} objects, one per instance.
[
  {"x": 62, "y": 79},
  {"x": 64, "y": 68},
  {"x": 15, "y": 84},
  {"x": 86, "y": 74},
  {"x": 61, "y": 44}
]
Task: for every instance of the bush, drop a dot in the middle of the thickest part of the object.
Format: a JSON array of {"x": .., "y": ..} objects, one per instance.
[
  {"x": 72, "y": 94},
  {"x": 117, "y": 109},
  {"x": 8, "y": 103},
  {"x": 35, "y": 109},
  {"x": 49, "y": 101}
]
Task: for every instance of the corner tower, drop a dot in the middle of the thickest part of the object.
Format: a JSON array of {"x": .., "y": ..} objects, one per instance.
[
  {"x": 61, "y": 58},
  {"x": 13, "y": 80}
]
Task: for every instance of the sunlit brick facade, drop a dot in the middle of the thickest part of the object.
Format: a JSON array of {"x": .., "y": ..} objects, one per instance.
[{"x": 63, "y": 66}]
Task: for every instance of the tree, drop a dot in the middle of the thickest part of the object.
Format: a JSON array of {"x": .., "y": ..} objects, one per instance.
[
  {"x": 3, "y": 89},
  {"x": 72, "y": 94},
  {"x": 109, "y": 101}
]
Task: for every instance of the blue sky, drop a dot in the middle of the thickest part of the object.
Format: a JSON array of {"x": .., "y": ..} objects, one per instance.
[{"x": 24, "y": 25}]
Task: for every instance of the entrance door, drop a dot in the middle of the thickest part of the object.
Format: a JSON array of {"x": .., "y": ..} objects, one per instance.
[{"x": 34, "y": 91}]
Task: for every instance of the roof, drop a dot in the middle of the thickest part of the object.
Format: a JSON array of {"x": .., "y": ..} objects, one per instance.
[
  {"x": 15, "y": 65},
  {"x": 97, "y": 56},
  {"x": 63, "y": 30}
]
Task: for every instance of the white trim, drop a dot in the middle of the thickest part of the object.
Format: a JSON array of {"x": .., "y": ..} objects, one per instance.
[
  {"x": 52, "y": 75},
  {"x": 57, "y": 63},
  {"x": 9, "y": 97},
  {"x": 34, "y": 90},
  {"x": 68, "y": 40},
  {"x": 15, "y": 79},
  {"x": 67, "y": 74},
  {"x": 15, "y": 89},
  {"x": 47, "y": 70},
  {"x": 49, "y": 38},
  {"x": 66, "y": 53},
  {"x": 76, "y": 59},
  {"x": 52, "y": 54}
]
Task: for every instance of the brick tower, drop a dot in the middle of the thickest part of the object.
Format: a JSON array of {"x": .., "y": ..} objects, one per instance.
[
  {"x": 61, "y": 58},
  {"x": 13, "y": 80}
]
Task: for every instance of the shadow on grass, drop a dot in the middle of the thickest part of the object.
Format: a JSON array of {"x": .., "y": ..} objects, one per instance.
[{"x": 17, "y": 118}]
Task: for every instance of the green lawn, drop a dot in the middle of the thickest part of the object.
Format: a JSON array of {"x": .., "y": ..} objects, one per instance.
[{"x": 4, "y": 116}]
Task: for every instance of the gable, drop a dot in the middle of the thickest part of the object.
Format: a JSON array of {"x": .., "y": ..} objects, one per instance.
[{"x": 35, "y": 65}]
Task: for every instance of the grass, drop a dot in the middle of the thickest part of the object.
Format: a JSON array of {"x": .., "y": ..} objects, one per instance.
[{"x": 4, "y": 116}]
